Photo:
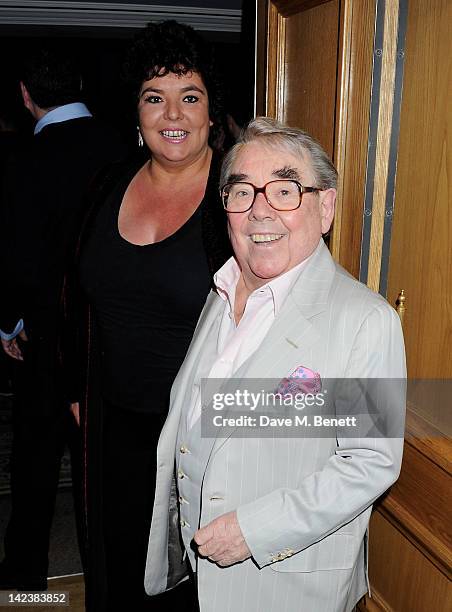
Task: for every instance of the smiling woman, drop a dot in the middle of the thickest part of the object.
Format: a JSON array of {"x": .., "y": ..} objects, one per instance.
[
  {"x": 155, "y": 236},
  {"x": 174, "y": 121},
  {"x": 174, "y": 117}
]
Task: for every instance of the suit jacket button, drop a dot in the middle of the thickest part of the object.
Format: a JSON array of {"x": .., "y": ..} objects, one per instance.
[
  {"x": 180, "y": 474},
  {"x": 183, "y": 449}
]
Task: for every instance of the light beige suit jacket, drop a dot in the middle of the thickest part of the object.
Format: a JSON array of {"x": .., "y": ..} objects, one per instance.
[{"x": 303, "y": 504}]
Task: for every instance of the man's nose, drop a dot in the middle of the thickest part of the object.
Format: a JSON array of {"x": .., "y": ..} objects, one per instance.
[{"x": 261, "y": 208}]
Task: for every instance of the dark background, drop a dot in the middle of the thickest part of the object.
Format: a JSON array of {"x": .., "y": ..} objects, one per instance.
[{"x": 100, "y": 51}]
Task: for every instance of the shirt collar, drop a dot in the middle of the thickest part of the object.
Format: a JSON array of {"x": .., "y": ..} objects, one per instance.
[
  {"x": 228, "y": 276},
  {"x": 75, "y": 110},
  {"x": 226, "y": 280}
]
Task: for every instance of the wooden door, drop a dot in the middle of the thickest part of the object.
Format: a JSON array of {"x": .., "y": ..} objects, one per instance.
[{"x": 314, "y": 71}]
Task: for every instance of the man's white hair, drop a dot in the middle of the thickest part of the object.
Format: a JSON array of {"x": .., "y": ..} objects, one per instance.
[{"x": 276, "y": 135}]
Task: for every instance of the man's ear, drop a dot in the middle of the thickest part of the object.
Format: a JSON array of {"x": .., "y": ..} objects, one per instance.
[
  {"x": 327, "y": 207},
  {"x": 28, "y": 102}
]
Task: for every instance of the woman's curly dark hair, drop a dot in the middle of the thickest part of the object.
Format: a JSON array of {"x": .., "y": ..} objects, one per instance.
[{"x": 170, "y": 46}]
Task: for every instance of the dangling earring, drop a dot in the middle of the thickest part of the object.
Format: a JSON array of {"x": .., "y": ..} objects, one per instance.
[{"x": 140, "y": 137}]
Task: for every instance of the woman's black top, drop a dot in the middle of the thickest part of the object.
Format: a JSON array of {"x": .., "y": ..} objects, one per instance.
[{"x": 146, "y": 301}]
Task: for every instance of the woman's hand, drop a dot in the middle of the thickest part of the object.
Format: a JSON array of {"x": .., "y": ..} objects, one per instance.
[{"x": 75, "y": 409}]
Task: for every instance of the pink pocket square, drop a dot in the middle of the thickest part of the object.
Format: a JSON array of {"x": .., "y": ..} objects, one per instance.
[{"x": 301, "y": 380}]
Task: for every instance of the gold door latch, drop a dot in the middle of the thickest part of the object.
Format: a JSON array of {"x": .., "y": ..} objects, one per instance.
[{"x": 400, "y": 305}]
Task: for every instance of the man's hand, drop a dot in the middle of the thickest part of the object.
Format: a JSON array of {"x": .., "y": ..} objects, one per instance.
[
  {"x": 11, "y": 347},
  {"x": 222, "y": 541},
  {"x": 75, "y": 409}
]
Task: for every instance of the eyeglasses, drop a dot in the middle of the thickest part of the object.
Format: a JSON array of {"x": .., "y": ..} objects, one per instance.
[{"x": 283, "y": 195}]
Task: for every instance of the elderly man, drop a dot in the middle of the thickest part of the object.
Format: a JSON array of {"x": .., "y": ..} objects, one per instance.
[{"x": 276, "y": 523}]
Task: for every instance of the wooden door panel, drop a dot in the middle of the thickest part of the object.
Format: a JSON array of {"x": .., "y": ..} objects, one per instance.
[
  {"x": 310, "y": 69},
  {"x": 302, "y": 57}
]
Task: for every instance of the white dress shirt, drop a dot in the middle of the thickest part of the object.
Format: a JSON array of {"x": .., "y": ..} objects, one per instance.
[{"x": 237, "y": 342}]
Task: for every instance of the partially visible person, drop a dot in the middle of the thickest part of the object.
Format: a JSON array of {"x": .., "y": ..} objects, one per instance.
[
  {"x": 153, "y": 239},
  {"x": 43, "y": 201},
  {"x": 278, "y": 522},
  {"x": 227, "y": 135},
  {"x": 11, "y": 141}
]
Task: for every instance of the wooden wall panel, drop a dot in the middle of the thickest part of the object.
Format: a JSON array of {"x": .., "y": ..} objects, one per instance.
[
  {"x": 410, "y": 553},
  {"x": 402, "y": 578},
  {"x": 427, "y": 521},
  {"x": 421, "y": 244}
]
